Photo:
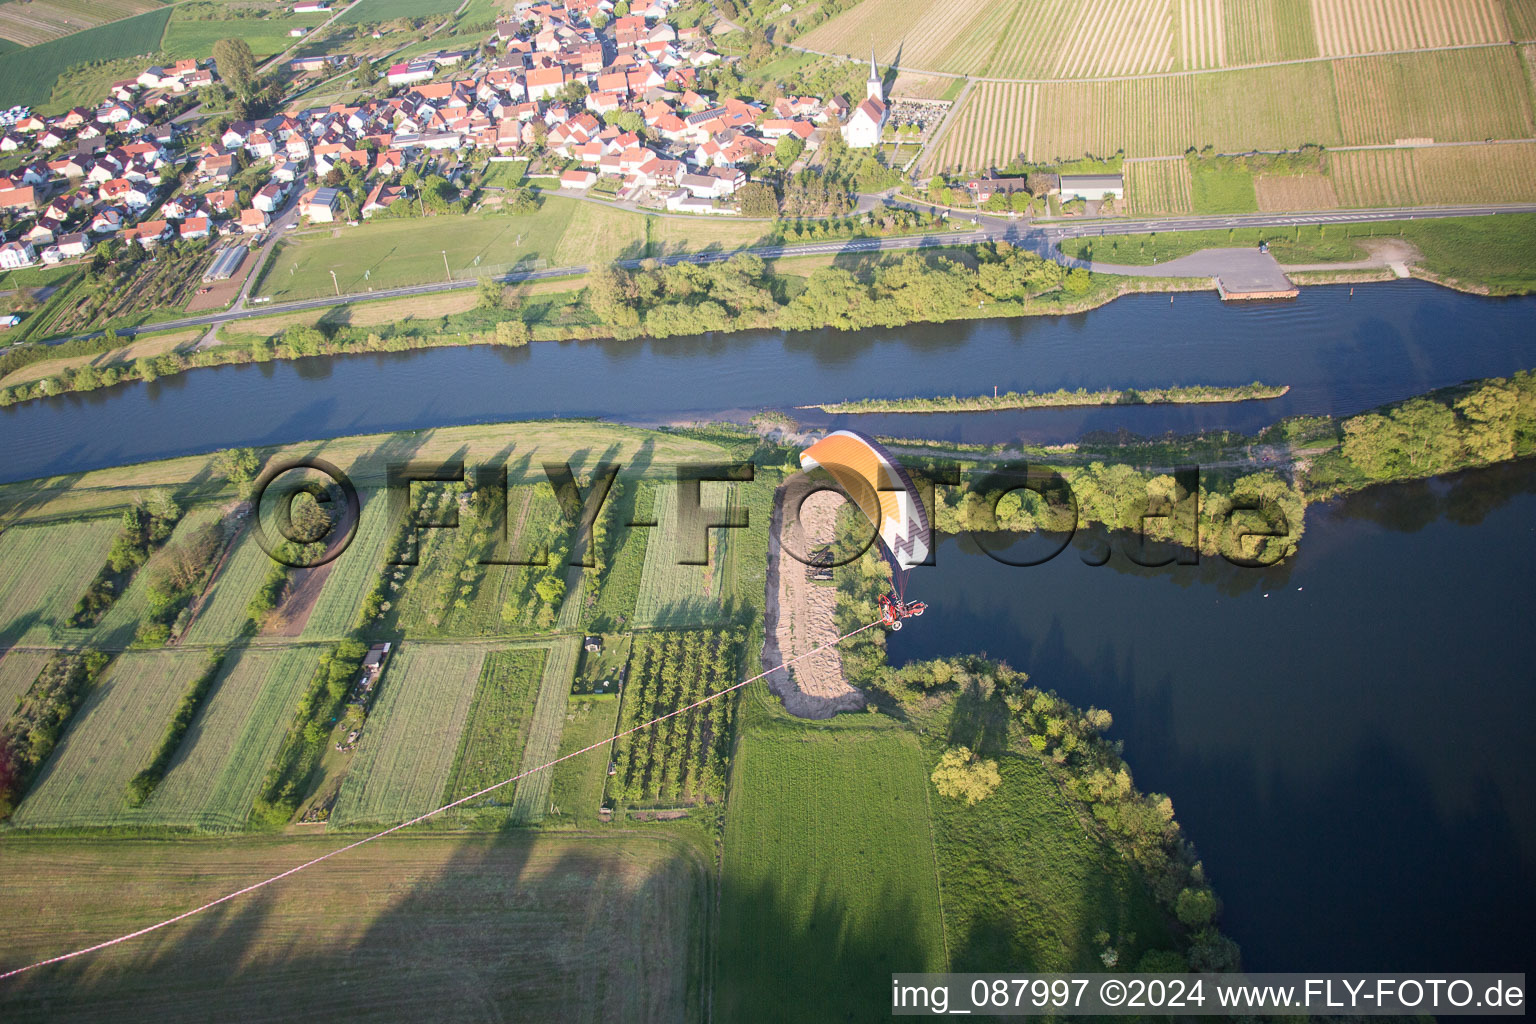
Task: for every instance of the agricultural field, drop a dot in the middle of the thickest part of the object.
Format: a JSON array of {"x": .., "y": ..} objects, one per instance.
[
  {"x": 186, "y": 37},
  {"x": 673, "y": 595},
  {"x": 148, "y": 344},
  {"x": 1035, "y": 904},
  {"x": 951, "y": 35},
  {"x": 682, "y": 759},
  {"x": 354, "y": 572},
  {"x": 390, "y": 253},
  {"x": 1347, "y": 27},
  {"x": 27, "y": 76},
  {"x": 491, "y": 747},
  {"x": 223, "y": 614},
  {"x": 1267, "y": 30},
  {"x": 1454, "y": 96},
  {"x": 619, "y": 586},
  {"x": 117, "y": 627},
  {"x": 1127, "y": 37},
  {"x": 503, "y": 927},
  {"x": 47, "y": 568},
  {"x": 1443, "y": 174},
  {"x": 372, "y": 11},
  {"x": 828, "y": 853},
  {"x": 1309, "y": 191},
  {"x": 111, "y": 737},
  {"x": 576, "y": 789},
  {"x": 1146, "y": 117},
  {"x": 531, "y": 798},
  {"x": 995, "y": 128},
  {"x": 595, "y": 235},
  {"x": 505, "y": 173},
  {"x": 1158, "y": 186},
  {"x": 18, "y": 670},
  {"x": 1222, "y": 186},
  {"x": 38, "y": 21},
  {"x": 1265, "y": 108},
  {"x": 1202, "y": 34},
  {"x": 406, "y": 751},
  {"x": 1024, "y": 40}
]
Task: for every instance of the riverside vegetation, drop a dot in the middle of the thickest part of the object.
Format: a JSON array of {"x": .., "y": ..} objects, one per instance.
[{"x": 1062, "y": 398}]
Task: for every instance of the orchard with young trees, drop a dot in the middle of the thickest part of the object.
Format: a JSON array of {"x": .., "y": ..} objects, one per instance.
[{"x": 682, "y": 759}]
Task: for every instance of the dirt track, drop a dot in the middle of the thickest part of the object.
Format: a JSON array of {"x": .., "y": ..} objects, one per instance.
[{"x": 799, "y": 616}]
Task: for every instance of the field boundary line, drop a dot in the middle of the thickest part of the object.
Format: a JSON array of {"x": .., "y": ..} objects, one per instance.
[{"x": 256, "y": 886}]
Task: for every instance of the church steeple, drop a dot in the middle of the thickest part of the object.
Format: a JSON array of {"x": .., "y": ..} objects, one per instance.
[{"x": 873, "y": 89}]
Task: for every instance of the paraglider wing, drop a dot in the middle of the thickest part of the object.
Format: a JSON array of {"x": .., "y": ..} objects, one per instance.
[{"x": 882, "y": 490}]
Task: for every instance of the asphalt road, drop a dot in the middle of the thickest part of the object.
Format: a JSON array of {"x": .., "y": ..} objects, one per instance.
[{"x": 1040, "y": 238}]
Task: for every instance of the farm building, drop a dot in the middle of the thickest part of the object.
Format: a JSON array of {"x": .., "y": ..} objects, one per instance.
[
  {"x": 225, "y": 264},
  {"x": 1092, "y": 186}
]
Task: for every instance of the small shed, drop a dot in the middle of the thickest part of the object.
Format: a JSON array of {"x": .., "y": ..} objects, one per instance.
[{"x": 593, "y": 644}]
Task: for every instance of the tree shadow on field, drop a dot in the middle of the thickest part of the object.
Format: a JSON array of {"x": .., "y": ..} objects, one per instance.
[
  {"x": 497, "y": 930},
  {"x": 812, "y": 957}
]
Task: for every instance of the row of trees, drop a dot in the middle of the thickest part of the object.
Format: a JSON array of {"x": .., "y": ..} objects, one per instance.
[
  {"x": 683, "y": 757},
  {"x": 29, "y": 735},
  {"x": 146, "y": 525}
]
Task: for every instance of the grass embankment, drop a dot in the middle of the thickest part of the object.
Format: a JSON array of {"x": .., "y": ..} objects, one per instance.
[
  {"x": 1062, "y": 398},
  {"x": 493, "y": 927},
  {"x": 1494, "y": 255}
]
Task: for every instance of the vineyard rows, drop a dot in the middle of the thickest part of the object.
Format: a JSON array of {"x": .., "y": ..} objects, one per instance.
[
  {"x": 683, "y": 758},
  {"x": 1202, "y": 34},
  {"x": 1036, "y": 36},
  {"x": 1294, "y": 192},
  {"x": 1158, "y": 186},
  {"x": 994, "y": 130},
  {"x": 1457, "y": 96},
  {"x": 1375, "y": 26},
  {"x": 1448, "y": 174},
  {"x": 1264, "y": 30},
  {"x": 1119, "y": 37},
  {"x": 408, "y": 744},
  {"x": 947, "y": 35}
]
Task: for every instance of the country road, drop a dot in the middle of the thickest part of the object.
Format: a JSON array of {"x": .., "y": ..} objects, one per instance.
[{"x": 1041, "y": 238}]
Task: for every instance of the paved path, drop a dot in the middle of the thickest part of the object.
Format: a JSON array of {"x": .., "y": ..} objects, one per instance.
[{"x": 1041, "y": 238}]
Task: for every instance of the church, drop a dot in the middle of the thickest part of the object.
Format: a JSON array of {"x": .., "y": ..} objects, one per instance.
[{"x": 867, "y": 121}]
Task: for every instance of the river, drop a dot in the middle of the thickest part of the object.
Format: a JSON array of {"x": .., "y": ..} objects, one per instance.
[
  {"x": 1340, "y": 353},
  {"x": 1350, "y": 753}
]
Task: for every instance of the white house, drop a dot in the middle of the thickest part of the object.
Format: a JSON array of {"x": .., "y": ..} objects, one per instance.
[
  {"x": 868, "y": 119},
  {"x": 1092, "y": 186},
  {"x": 14, "y": 255}
]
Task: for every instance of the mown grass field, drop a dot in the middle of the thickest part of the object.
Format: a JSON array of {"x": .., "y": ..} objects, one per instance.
[
  {"x": 219, "y": 767},
  {"x": 828, "y": 880},
  {"x": 1026, "y": 884},
  {"x": 265, "y": 36},
  {"x": 674, "y": 595},
  {"x": 355, "y": 572},
  {"x": 544, "y": 730},
  {"x": 1221, "y": 187},
  {"x": 27, "y": 76},
  {"x": 1288, "y": 244},
  {"x": 491, "y": 746},
  {"x": 46, "y": 570},
  {"x": 620, "y": 585},
  {"x": 117, "y": 627},
  {"x": 110, "y": 738},
  {"x": 576, "y": 789},
  {"x": 223, "y": 615},
  {"x": 18, "y": 670},
  {"x": 501, "y": 927},
  {"x": 408, "y": 744}
]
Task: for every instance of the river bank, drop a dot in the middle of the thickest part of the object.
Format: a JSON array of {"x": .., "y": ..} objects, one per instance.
[{"x": 1059, "y": 399}]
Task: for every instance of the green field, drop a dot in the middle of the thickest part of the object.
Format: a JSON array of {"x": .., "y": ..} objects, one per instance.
[
  {"x": 531, "y": 799},
  {"x": 829, "y": 882},
  {"x": 1288, "y": 244},
  {"x": 27, "y": 75},
  {"x": 1025, "y": 884},
  {"x": 408, "y": 744},
  {"x": 111, "y": 737},
  {"x": 486, "y": 928},
  {"x": 672, "y": 595},
  {"x": 18, "y": 669},
  {"x": 46, "y": 570},
  {"x": 265, "y": 36},
  {"x": 117, "y": 627},
  {"x": 576, "y": 790},
  {"x": 354, "y": 573},
  {"x": 504, "y": 173},
  {"x": 1222, "y": 187},
  {"x": 371, "y": 11},
  {"x": 224, "y": 613},
  {"x": 491, "y": 747},
  {"x": 619, "y": 587}
]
